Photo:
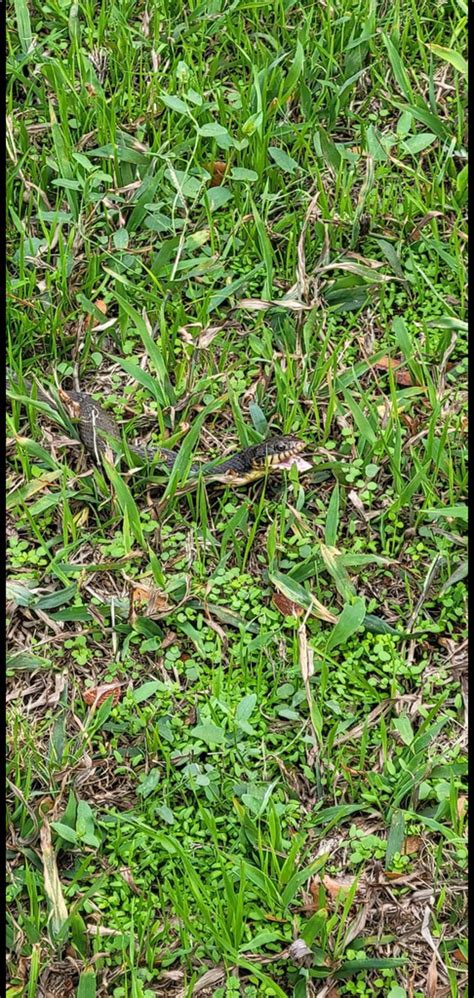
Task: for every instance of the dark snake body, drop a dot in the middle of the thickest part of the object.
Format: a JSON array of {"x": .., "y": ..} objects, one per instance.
[{"x": 98, "y": 429}]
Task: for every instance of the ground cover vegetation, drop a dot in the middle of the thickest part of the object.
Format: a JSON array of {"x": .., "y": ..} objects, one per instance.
[{"x": 236, "y": 718}]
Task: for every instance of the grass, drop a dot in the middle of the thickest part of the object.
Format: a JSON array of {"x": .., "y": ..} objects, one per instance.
[{"x": 234, "y": 220}]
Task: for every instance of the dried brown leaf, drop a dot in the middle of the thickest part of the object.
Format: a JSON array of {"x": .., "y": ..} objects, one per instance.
[
  {"x": 314, "y": 887},
  {"x": 357, "y": 925},
  {"x": 147, "y": 601},
  {"x": 217, "y": 169},
  {"x": 461, "y": 806},
  {"x": 337, "y": 885},
  {"x": 432, "y": 978},
  {"x": 101, "y": 305},
  {"x": 412, "y": 845},
  {"x": 211, "y": 978},
  {"x": 415, "y": 232},
  {"x": 357, "y": 503},
  {"x": 58, "y": 914},
  {"x": 413, "y": 423},
  {"x": 306, "y": 656},
  {"x": 261, "y": 305},
  {"x": 99, "y": 694},
  {"x": 202, "y": 340},
  {"x": 402, "y": 378},
  {"x": 286, "y": 606}
]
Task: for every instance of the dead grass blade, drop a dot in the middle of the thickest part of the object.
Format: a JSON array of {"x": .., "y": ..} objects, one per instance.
[
  {"x": 301, "y": 277},
  {"x": 370, "y": 720},
  {"x": 58, "y": 914},
  {"x": 426, "y": 934},
  {"x": 261, "y": 305}
]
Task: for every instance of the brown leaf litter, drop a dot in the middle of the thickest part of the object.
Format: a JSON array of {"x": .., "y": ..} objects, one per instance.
[
  {"x": 99, "y": 694},
  {"x": 286, "y": 606},
  {"x": 402, "y": 377},
  {"x": 386, "y": 904}
]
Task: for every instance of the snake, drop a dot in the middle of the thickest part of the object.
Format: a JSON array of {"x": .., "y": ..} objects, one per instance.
[{"x": 97, "y": 429}]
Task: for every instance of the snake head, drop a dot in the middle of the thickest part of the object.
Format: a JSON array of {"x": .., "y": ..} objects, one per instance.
[{"x": 281, "y": 453}]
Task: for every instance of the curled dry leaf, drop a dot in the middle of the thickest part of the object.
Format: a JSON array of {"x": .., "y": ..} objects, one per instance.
[
  {"x": 23, "y": 969},
  {"x": 147, "y": 601},
  {"x": 411, "y": 845},
  {"x": 101, "y": 307},
  {"x": 81, "y": 518},
  {"x": 300, "y": 954},
  {"x": 402, "y": 377},
  {"x": 109, "y": 454},
  {"x": 204, "y": 336},
  {"x": 99, "y": 694},
  {"x": 357, "y": 503},
  {"x": 315, "y": 891},
  {"x": 217, "y": 171},
  {"x": 93, "y": 929},
  {"x": 336, "y": 886},
  {"x": 286, "y": 606},
  {"x": 213, "y": 976},
  {"x": 186, "y": 334},
  {"x": 461, "y": 806},
  {"x": 45, "y": 806},
  {"x": 415, "y": 232},
  {"x": 306, "y": 657},
  {"x": 412, "y": 423},
  {"x": 99, "y": 326}
]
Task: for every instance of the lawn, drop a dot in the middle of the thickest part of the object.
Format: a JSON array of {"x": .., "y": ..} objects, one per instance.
[{"x": 237, "y": 716}]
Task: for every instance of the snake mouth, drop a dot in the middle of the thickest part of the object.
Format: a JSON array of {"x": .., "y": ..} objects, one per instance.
[
  {"x": 292, "y": 461},
  {"x": 291, "y": 457},
  {"x": 282, "y": 458}
]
